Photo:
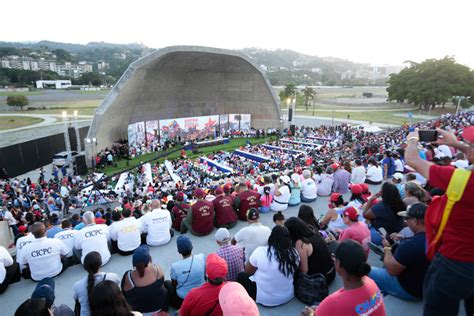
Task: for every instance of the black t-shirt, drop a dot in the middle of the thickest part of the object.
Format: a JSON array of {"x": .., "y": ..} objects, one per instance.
[
  {"x": 384, "y": 217},
  {"x": 411, "y": 254}
]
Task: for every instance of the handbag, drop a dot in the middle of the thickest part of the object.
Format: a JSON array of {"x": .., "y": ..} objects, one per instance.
[
  {"x": 438, "y": 211},
  {"x": 311, "y": 289}
]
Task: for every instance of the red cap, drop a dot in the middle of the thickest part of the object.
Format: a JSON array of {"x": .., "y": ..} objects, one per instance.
[
  {"x": 227, "y": 187},
  {"x": 335, "y": 197},
  {"x": 249, "y": 185},
  {"x": 199, "y": 193},
  {"x": 468, "y": 134},
  {"x": 356, "y": 189},
  {"x": 352, "y": 213},
  {"x": 334, "y": 166},
  {"x": 365, "y": 187},
  {"x": 219, "y": 191},
  {"x": 180, "y": 196},
  {"x": 216, "y": 267},
  {"x": 22, "y": 229}
]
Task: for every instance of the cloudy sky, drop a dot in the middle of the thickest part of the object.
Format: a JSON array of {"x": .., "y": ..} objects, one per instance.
[{"x": 373, "y": 31}]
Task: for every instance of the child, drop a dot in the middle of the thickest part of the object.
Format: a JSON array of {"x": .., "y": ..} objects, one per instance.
[
  {"x": 279, "y": 218},
  {"x": 265, "y": 200}
]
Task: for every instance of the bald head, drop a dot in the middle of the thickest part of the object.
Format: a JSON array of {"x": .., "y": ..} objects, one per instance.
[
  {"x": 155, "y": 204},
  {"x": 38, "y": 230}
]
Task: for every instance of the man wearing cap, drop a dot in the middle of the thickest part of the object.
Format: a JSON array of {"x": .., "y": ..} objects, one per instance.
[
  {"x": 245, "y": 200},
  {"x": 185, "y": 274},
  {"x": 93, "y": 237},
  {"x": 252, "y": 236},
  {"x": 43, "y": 257},
  {"x": 157, "y": 224},
  {"x": 358, "y": 173},
  {"x": 200, "y": 218},
  {"x": 404, "y": 270},
  {"x": 204, "y": 300},
  {"x": 355, "y": 230},
  {"x": 45, "y": 290},
  {"x": 179, "y": 211},
  {"x": 225, "y": 214},
  {"x": 232, "y": 254},
  {"x": 125, "y": 234},
  {"x": 397, "y": 180},
  {"x": 453, "y": 264},
  {"x": 309, "y": 190}
]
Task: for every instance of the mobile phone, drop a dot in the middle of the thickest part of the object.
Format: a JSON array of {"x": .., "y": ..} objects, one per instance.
[
  {"x": 428, "y": 135},
  {"x": 382, "y": 232}
]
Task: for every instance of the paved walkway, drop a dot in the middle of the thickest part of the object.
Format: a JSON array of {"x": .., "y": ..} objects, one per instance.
[
  {"x": 318, "y": 120},
  {"x": 48, "y": 120}
]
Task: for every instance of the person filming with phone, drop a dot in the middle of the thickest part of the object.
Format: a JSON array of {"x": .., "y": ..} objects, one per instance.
[{"x": 449, "y": 224}]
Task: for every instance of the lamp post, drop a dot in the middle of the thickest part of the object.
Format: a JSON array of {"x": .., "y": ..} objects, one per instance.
[
  {"x": 76, "y": 129},
  {"x": 66, "y": 138},
  {"x": 460, "y": 98}
]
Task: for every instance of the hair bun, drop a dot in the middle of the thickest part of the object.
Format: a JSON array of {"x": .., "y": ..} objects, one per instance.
[{"x": 363, "y": 269}]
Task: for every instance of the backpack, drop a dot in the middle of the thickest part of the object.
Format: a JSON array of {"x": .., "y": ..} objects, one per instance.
[
  {"x": 437, "y": 213},
  {"x": 311, "y": 289}
]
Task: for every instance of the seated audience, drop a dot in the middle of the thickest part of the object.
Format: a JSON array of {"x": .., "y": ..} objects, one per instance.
[
  {"x": 179, "y": 211},
  {"x": 156, "y": 225},
  {"x": 356, "y": 230},
  {"x": 225, "y": 215},
  {"x": 200, "y": 217},
  {"x": 125, "y": 234},
  {"x": 309, "y": 189},
  {"x": 107, "y": 299},
  {"x": 234, "y": 300},
  {"x": 282, "y": 194},
  {"x": 9, "y": 270},
  {"x": 245, "y": 200},
  {"x": 232, "y": 254},
  {"x": 93, "y": 237}
]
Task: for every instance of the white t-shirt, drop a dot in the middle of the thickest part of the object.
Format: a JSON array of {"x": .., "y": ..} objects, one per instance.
[
  {"x": 80, "y": 289},
  {"x": 374, "y": 173},
  {"x": 6, "y": 260},
  {"x": 251, "y": 237},
  {"x": 43, "y": 256},
  {"x": 67, "y": 237},
  {"x": 309, "y": 190},
  {"x": 93, "y": 238},
  {"x": 10, "y": 219},
  {"x": 358, "y": 175},
  {"x": 461, "y": 164},
  {"x": 325, "y": 186},
  {"x": 399, "y": 166},
  {"x": 282, "y": 199},
  {"x": 20, "y": 244},
  {"x": 273, "y": 287},
  {"x": 157, "y": 224},
  {"x": 270, "y": 185},
  {"x": 127, "y": 233}
]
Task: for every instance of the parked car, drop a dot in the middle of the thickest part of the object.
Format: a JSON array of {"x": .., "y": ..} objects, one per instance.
[{"x": 60, "y": 159}]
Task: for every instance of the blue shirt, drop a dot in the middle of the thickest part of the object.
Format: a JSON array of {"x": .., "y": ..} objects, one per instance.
[
  {"x": 79, "y": 226},
  {"x": 53, "y": 231},
  {"x": 390, "y": 163},
  {"x": 189, "y": 273}
]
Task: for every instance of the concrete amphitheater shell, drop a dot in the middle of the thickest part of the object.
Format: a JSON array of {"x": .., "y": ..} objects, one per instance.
[{"x": 185, "y": 81}]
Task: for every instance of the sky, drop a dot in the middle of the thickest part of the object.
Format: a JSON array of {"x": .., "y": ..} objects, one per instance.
[{"x": 371, "y": 31}]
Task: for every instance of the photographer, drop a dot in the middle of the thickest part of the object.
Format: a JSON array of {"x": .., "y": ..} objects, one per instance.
[{"x": 450, "y": 277}]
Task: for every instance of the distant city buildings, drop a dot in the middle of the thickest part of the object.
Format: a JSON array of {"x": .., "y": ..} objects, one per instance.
[
  {"x": 66, "y": 69},
  {"x": 371, "y": 72}
]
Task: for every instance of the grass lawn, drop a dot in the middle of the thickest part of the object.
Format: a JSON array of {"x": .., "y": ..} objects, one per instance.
[
  {"x": 233, "y": 144},
  {"x": 9, "y": 122},
  {"x": 92, "y": 92},
  {"x": 6, "y": 94},
  {"x": 385, "y": 117}
]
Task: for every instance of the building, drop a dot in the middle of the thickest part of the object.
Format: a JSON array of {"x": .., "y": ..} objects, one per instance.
[{"x": 56, "y": 84}]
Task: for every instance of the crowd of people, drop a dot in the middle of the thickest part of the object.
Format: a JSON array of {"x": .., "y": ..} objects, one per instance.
[{"x": 300, "y": 256}]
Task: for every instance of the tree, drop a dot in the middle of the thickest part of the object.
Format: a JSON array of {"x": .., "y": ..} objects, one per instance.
[
  {"x": 430, "y": 83},
  {"x": 63, "y": 55},
  {"x": 309, "y": 93},
  {"x": 288, "y": 92},
  {"x": 92, "y": 78},
  {"x": 17, "y": 101}
]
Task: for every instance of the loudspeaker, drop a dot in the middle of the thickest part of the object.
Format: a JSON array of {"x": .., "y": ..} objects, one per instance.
[
  {"x": 290, "y": 114},
  {"x": 81, "y": 166},
  {"x": 293, "y": 130}
]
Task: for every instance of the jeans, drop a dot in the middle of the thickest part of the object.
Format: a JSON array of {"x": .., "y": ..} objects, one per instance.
[
  {"x": 375, "y": 236},
  {"x": 264, "y": 209},
  {"x": 305, "y": 200},
  {"x": 447, "y": 282},
  {"x": 389, "y": 284}
]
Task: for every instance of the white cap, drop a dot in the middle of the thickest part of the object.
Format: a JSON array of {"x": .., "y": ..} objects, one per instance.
[
  {"x": 285, "y": 179},
  {"x": 222, "y": 235}
]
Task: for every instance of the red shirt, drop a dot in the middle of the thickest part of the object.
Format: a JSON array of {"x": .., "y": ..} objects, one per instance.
[
  {"x": 201, "y": 300},
  {"x": 248, "y": 199},
  {"x": 366, "y": 300},
  {"x": 358, "y": 232},
  {"x": 203, "y": 217},
  {"x": 457, "y": 242},
  {"x": 179, "y": 211},
  {"x": 224, "y": 210}
]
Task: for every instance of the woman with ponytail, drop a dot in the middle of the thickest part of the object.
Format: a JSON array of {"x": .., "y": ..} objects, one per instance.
[
  {"x": 359, "y": 295},
  {"x": 83, "y": 288}
]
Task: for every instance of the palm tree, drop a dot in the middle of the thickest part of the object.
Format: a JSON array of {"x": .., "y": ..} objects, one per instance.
[{"x": 309, "y": 93}]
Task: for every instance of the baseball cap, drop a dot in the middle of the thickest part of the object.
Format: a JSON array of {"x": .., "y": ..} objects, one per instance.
[
  {"x": 356, "y": 189},
  {"x": 398, "y": 176},
  {"x": 416, "y": 210},
  {"x": 36, "y": 207},
  {"x": 219, "y": 191},
  {"x": 45, "y": 290},
  {"x": 199, "y": 193},
  {"x": 227, "y": 187},
  {"x": 184, "y": 244},
  {"x": 22, "y": 228},
  {"x": 98, "y": 214},
  {"x": 180, "y": 196},
  {"x": 222, "y": 235},
  {"x": 334, "y": 197},
  {"x": 285, "y": 179},
  {"x": 216, "y": 267},
  {"x": 335, "y": 166},
  {"x": 253, "y": 214},
  {"x": 351, "y": 212},
  {"x": 468, "y": 134},
  {"x": 235, "y": 301},
  {"x": 141, "y": 255}
]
